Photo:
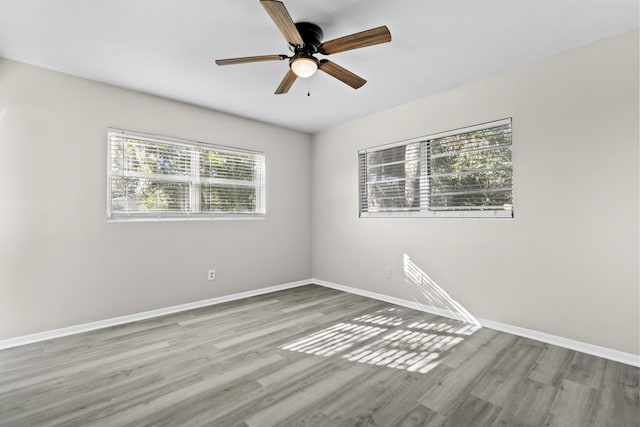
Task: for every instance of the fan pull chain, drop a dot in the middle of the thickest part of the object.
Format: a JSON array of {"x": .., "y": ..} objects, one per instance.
[{"x": 308, "y": 87}]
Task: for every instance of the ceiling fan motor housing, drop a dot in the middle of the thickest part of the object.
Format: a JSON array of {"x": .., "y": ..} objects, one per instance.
[{"x": 311, "y": 35}]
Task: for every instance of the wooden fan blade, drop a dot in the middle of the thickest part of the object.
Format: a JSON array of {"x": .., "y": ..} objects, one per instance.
[
  {"x": 283, "y": 21},
  {"x": 342, "y": 74},
  {"x": 357, "y": 40},
  {"x": 246, "y": 59},
  {"x": 286, "y": 83}
]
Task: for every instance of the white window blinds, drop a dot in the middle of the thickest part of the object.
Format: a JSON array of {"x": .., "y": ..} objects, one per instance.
[
  {"x": 461, "y": 173},
  {"x": 158, "y": 177}
]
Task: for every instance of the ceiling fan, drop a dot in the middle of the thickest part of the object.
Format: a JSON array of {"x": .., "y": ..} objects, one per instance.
[{"x": 305, "y": 40}]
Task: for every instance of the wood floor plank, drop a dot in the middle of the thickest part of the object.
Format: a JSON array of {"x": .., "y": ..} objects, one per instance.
[
  {"x": 368, "y": 396},
  {"x": 619, "y": 397},
  {"x": 473, "y": 412},
  {"x": 395, "y": 407},
  {"x": 454, "y": 388},
  {"x": 574, "y": 405},
  {"x": 206, "y": 385},
  {"x": 498, "y": 385},
  {"x": 420, "y": 416},
  {"x": 309, "y": 356},
  {"x": 278, "y": 413},
  {"x": 468, "y": 347},
  {"x": 552, "y": 365},
  {"x": 226, "y": 313},
  {"x": 289, "y": 372},
  {"x": 281, "y": 391},
  {"x": 250, "y": 336},
  {"x": 529, "y": 404},
  {"x": 586, "y": 369},
  {"x": 45, "y": 375},
  {"x": 207, "y": 408},
  {"x": 316, "y": 302},
  {"x": 55, "y": 409}
]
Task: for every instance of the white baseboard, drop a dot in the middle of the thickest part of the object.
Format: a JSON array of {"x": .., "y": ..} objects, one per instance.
[
  {"x": 604, "y": 352},
  {"x": 100, "y": 324}
]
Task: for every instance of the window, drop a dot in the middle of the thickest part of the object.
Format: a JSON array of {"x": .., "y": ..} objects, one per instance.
[
  {"x": 157, "y": 177},
  {"x": 461, "y": 173}
]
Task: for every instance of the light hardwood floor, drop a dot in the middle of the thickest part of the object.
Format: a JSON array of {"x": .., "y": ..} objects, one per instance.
[{"x": 310, "y": 356}]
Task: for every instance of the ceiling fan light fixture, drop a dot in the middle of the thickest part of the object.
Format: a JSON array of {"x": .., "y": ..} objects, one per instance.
[
  {"x": 304, "y": 66},
  {"x": 305, "y": 40}
]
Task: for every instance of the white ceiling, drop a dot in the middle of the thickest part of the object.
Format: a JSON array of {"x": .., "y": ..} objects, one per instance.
[{"x": 167, "y": 47}]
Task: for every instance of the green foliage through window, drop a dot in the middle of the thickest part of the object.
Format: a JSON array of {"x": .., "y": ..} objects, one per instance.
[
  {"x": 151, "y": 176},
  {"x": 467, "y": 172}
]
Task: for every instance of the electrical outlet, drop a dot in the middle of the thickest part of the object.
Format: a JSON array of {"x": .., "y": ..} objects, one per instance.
[
  {"x": 211, "y": 275},
  {"x": 387, "y": 273}
]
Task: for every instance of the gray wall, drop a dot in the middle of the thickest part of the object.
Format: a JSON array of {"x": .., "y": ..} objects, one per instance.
[
  {"x": 568, "y": 263},
  {"x": 62, "y": 264}
]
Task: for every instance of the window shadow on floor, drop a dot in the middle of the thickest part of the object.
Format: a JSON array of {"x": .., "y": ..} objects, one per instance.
[{"x": 394, "y": 337}]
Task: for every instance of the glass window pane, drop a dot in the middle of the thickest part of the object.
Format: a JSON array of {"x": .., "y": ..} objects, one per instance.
[
  {"x": 152, "y": 174},
  {"x": 466, "y": 170},
  {"x": 225, "y": 198},
  {"x": 140, "y": 195},
  {"x": 393, "y": 179},
  {"x": 215, "y": 164}
]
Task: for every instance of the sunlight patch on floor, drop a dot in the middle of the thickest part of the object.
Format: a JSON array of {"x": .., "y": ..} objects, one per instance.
[
  {"x": 389, "y": 337},
  {"x": 335, "y": 339},
  {"x": 410, "y": 350}
]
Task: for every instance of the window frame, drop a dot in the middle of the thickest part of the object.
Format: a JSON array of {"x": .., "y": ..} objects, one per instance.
[
  {"x": 194, "y": 181},
  {"x": 424, "y": 177}
]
